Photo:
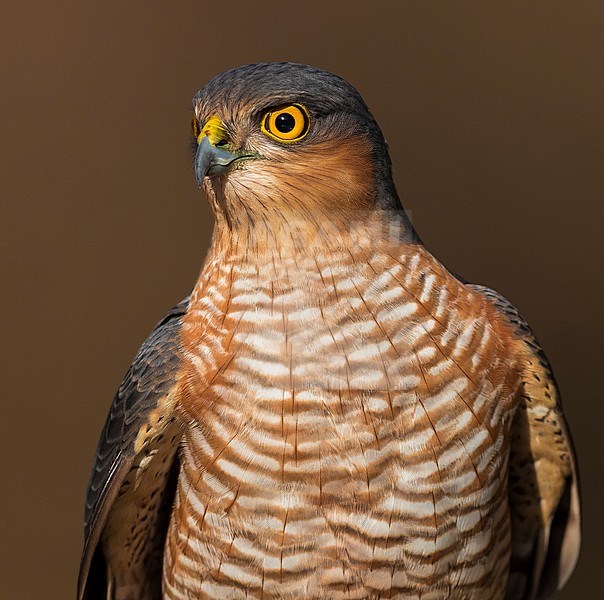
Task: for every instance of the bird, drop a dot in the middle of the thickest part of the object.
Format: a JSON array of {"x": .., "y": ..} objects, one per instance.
[{"x": 331, "y": 412}]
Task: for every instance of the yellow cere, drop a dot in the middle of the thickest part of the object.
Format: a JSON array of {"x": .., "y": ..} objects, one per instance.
[
  {"x": 214, "y": 130},
  {"x": 288, "y": 124}
]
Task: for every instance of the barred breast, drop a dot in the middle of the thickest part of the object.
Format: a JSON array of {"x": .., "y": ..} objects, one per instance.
[{"x": 348, "y": 433}]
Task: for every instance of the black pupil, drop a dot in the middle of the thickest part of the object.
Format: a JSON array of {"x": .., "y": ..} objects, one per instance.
[{"x": 285, "y": 122}]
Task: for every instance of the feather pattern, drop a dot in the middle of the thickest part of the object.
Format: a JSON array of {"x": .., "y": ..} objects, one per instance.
[
  {"x": 124, "y": 521},
  {"x": 349, "y": 437}
]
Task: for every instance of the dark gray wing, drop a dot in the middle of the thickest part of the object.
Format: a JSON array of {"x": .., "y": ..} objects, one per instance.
[
  {"x": 138, "y": 444},
  {"x": 543, "y": 477}
]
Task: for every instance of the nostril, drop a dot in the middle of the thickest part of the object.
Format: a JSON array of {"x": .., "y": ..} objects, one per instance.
[{"x": 221, "y": 143}]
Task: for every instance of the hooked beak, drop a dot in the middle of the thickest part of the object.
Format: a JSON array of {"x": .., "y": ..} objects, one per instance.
[
  {"x": 212, "y": 156},
  {"x": 211, "y": 160}
]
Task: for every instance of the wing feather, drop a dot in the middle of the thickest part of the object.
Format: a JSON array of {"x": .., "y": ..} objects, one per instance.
[
  {"x": 543, "y": 477},
  {"x": 139, "y": 438}
]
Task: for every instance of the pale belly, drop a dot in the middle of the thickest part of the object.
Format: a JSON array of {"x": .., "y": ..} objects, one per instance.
[
  {"x": 351, "y": 442},
  {"x": 337, "y": 495}
]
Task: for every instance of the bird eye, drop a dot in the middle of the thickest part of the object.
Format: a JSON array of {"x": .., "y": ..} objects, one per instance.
[
  {"x": 196, "y": 127},
  {"x": 288, "y": 124}
]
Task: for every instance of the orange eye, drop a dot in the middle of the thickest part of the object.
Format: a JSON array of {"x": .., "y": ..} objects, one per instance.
[
  {"x": 287, "y": 124},
  {"x": 196, "y": 127}
]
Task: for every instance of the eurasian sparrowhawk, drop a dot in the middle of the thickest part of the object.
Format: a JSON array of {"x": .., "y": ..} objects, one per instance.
[{"x": 331, "y": 413}]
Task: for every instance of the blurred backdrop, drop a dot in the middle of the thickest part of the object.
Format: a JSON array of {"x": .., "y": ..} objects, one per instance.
[{"x": 495, "y": 117}]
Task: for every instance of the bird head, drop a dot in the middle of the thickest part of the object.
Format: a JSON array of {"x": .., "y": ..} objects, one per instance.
[{"x": 284, "y": 141}]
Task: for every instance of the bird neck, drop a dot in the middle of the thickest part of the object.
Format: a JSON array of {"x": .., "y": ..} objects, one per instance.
[
  {"x": 325, "y": 199},
  {"x": 306, "y": 235}
]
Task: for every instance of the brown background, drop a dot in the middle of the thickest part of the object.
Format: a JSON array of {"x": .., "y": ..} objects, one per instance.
[{"x": 494, "y": 114}]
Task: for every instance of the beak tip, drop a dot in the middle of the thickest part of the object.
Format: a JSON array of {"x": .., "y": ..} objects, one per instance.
[{"x": 209, "y": 158}]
